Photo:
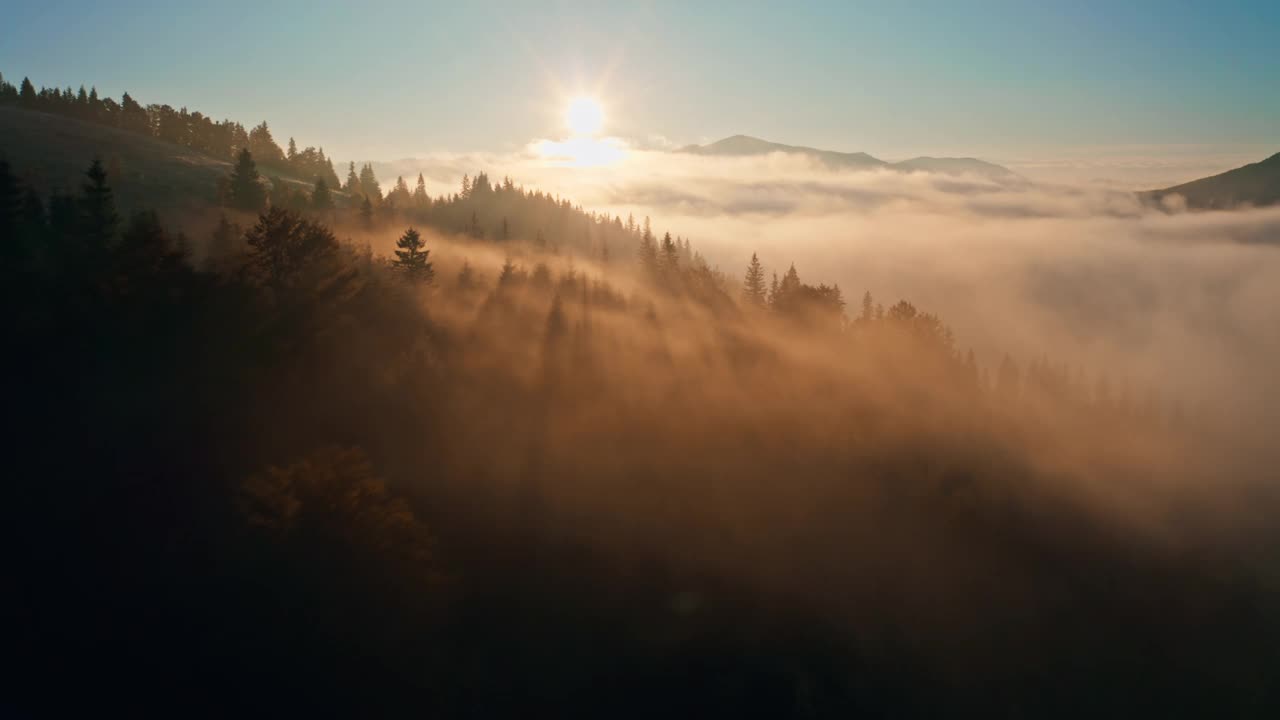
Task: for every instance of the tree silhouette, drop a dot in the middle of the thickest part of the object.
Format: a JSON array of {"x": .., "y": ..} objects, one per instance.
[
  {"x": 245, "y": 187},
  {"x": 97, "y": 211},
  {"x": 353, "y": 181},
  {"x": 264, "y": 147},
  {"x": 753, "y": 287},
  {"x": 369, "y": 184},
  {"x": 320, "y": 198},
  {"x": 282, "y": 243},
  {"x": 411, "y": 257}
]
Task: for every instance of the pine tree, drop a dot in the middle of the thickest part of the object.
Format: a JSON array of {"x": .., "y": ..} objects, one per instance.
[
  {"x": 246, "y": 188},
  {"x": 145, "y": 248},
  {"x": 320, "y": 197},
  {"x": 366, "y": 213},
  {"x": 466, "y": 277},
  {"x": 133, "y": 117},
  {"x": 556, "y": 325},
  {"x": 27, "y": 93},
  {"x": 648, "y": 253},
  {"x": 353, "y": 180},
  {"x": 508, "y": 274},
  {"x": 97, "y": 210},
  {"x": 283, "y": 242},
  {"x": 264, "y": 147},
  {"x": 670, "y": 259},
  {"x": 753, "y": 287},
  {"x": 788, "y": 290},
  {"x": 221, "y": 243},
  {"x": 292, "y": 153},
  {"x": 867, "y": 308},
  {"x": 420, "y": 198},
  {"x": 411, "y": 258},
  {"x": 369, "y": 184}
]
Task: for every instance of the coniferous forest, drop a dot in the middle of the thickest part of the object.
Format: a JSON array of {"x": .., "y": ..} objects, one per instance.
[{"x": 528, "y": 459}]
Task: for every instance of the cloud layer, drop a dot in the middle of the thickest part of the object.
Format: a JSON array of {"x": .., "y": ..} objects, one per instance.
[{"x": 1181, "y": 303}]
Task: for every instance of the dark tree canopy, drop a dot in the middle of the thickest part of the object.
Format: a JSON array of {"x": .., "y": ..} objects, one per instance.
[{"x": 247, "y": 192}]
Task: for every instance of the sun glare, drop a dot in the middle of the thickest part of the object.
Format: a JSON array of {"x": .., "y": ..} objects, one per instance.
[
  {"x": 581, "y": 152},
  {"x": 584, "y": 116}
]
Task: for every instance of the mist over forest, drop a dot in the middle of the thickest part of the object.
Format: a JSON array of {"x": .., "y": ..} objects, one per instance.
[{"x": 485, "y": 435}]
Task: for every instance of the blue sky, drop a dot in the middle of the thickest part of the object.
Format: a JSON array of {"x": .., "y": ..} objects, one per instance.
[{"x": 400, "y": 78}]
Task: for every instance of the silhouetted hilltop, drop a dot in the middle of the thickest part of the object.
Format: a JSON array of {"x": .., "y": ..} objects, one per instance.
[
  {"x": 745, "y": 145},
  {"x": 49, "y": 151},
  {"x": 1256, "y": 184},
  {"x": 958, "y": 166},
  {"x": 740, "y": 145}
]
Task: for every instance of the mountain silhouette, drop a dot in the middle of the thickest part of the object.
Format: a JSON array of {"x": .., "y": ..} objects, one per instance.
[
  {"x": 1253, "y": 185},
  {"x": 745, "y": 145}
]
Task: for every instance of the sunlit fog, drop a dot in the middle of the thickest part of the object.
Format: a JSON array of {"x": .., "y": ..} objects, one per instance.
[{"x": 657, "y": 360}]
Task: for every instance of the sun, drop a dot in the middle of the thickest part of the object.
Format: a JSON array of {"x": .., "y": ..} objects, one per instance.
[{"x": 584, "y": 116}]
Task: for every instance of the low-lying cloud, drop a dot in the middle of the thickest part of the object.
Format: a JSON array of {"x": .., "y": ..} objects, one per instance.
[{"x": 1182, "y": 303}]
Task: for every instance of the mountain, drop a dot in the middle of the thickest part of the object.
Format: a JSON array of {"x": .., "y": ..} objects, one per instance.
[
  {"x": 1253, "y": 185},
  {"x": 740, "y": 145},
  {"x": 958, "y": 166},
  {"x": 745, "y": 145}
]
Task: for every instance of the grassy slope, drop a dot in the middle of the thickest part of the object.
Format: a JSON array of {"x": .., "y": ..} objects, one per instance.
[{"x": 52, "y": 152}]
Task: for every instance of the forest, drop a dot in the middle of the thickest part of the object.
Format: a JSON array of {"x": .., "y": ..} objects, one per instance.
[{"x": 526, "y": 458}]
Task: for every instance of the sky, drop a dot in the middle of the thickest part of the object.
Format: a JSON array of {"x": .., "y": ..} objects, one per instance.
[{"x": 1001, "y": 80}]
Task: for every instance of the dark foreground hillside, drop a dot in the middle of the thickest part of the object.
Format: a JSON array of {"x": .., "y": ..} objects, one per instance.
[{"x": 484, "y": 479}]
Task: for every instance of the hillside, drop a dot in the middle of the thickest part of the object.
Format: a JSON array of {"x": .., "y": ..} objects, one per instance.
[
  {"x": 50, "y": 153},
  {"x": 1253, "y": 185},
  {"x": 745, "y": 145},
  {"x": 741, "y": 145}
]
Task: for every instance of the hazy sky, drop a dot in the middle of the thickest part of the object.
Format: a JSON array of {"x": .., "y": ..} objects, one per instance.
[{"x": 397, "y": 78}]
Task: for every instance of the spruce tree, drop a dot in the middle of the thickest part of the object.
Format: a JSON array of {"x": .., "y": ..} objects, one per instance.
[
  {"x": 27, "y": 93},
  {"x": 420, "y": 199},
  {"x": 412, "y": 257},
  {"x": 648, "y": 253},
  {"x": 670, "y": 259},
  {"x": 264, "y": 146},
  {"x": 369, "y": 184},
  {"x": 246, "y": 188},
  {"x": 320, "y": 197},
  {"x": 366, "y": 213},
  {"x": 466, "y": 277},
  {"x": 508, "y": 274},
  {"x": 283, "y": 242},
  {"x": 98, "y": 220},
  {"x": 353, "y": 180},
  {"x": 753, "y": 287}
]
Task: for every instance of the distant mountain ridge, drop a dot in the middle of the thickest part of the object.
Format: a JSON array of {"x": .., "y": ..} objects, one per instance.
[
  {"x": 1253, "y": 185},
  {"x": 745, "y": 145}
]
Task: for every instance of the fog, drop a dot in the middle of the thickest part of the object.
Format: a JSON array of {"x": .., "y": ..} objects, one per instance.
[{"x": 1156, "y": 299}]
